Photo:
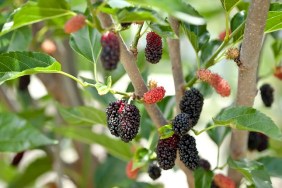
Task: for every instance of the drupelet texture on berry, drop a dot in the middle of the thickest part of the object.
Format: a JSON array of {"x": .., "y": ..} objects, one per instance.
[
  {"x": 113, "y": 116},
  {"x": 166, "y": 152},
  {"x": 182, "y": 123},
  {"x": 266, "y": 92},
  {"x": 154, "y": 171},
  {"x": 129, "y": 122},
  {"x": 154, "y": 49},
  {"x": 188, "y": 152},
  {"x": 192, "y": 104},
  {"x": 154, "y": 95},
  {"x": 110, "y": 51}
]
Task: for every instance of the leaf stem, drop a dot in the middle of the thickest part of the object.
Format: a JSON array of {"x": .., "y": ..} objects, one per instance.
[
  {"x": 205, "y": 129},
  {"x": 226, "y": 26},
  {"x": 127, "y": 95},
  {"x": 136, "y": 39},
  {"x": 96, "y": 22}
]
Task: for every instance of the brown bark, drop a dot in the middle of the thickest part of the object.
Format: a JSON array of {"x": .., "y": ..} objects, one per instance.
[{"x": 246, "y": 89}]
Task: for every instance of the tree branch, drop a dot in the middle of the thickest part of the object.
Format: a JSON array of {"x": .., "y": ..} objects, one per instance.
[
  {"x": 246, "y": 89},
  {"x": 179, "y": 85}
]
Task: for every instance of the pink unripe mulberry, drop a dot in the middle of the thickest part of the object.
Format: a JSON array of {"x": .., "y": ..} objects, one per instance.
[
  {"x": 220, "y": 85},
  {"x": 154, "y": 95},
  {"x": 222, "y": 181},
  {"x": 75, "y": 23}
]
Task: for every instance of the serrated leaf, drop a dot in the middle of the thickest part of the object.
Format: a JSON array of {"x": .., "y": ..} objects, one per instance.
[
  {"x": 197, "y": 35},
  {"x": 273, "y": 165},
  {"x": 115, "y": 147},
  {"x": 253, "y": 171},
  {"x": 83, "y": 115},
  {"x": 203, "y": 178},
  {"x": 218, "y": 134},
  {"x": 228, "y": 4},
  {"x": 250, "y": 119},
  {"x": 165, "y": 131},
  {"x": 16, "y": 64},
  {"x": 33, "y": 12},
  {"x": 17, "y": 135},
  {"x": 86, "y": 42}
]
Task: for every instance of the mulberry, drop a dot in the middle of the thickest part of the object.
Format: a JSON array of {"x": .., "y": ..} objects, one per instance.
[
  {"x": 266, "y": 92},
  {"x": 182, "y": 123},
  {"x": 222, "y": 181},
  {"x": 131, "y": 174},
  {"x": 154, "y": 95},
  {"x": 204, "y": 164},
  {"x": 257, "y": 141},
  {"x": 75, "y": 23},
  {"x": 129, "y": 122},
  {"x": 188, "y": 152},
  {"x": 113, "y": 119},
  {"x": 154, "y": 171},
  {"x": 24, "y": 81},
  {"x": 192, "y": 104},
  {"x": 278, "y": 72},
  {"x": 153, "y": 50},
  {"x": 110, "y": 51},
  {"x": 166, "y": 152}
]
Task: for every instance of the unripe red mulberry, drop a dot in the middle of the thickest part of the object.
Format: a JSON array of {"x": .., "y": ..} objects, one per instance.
[
  {"x": 182, "y": 123},
  {"x": 154, "y": 171},
  {"x": 113, "y": 116},
  {"x": 166, "y": 152},
  {"x": 129, "y": 122},
  {"x": 192, "y": 103},
  {"x": 110, "y": 51},
  {"x": 75, "y": 23},
  {"x": 154, "y": 95},
  {"x": 266, "y": 92},
  {"x": 153, "y": 50},
  {"x": 188, "y": 152},
  {"x": 278, "y": 72},
  {"x": 131, "y": 174},
  {"x": 222, "y": 181}
]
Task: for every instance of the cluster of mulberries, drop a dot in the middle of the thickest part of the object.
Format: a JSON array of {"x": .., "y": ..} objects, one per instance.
[
  {"x": 110, "y": 51},
  {"x": 220, "y": 85},
  {"x": 154, "y": 95},
  {"x": 257, "y": 141},
  {"x": 154, "y": 171},
  {"x": 154, "y": 49},
  {"x": 266, "y": 92},
  {"x": 123, "y": 120}
]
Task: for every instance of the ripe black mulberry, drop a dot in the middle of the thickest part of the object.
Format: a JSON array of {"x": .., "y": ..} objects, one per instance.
[
  {"x": 205, "y": 164},
  {"x": 129, "y": 122},
  {"x": 154, "y": 49},
  {"x": 166, "y": 152},
  {"x": 266, "y": 92},
  {"x": 188, "y": 152},
  {"x": 257, "y": 141},
  {"x": 110, "y": 51},
  {"x": 113, "y": 116},
  {"x": 192, "y": 104},
  {"x": 154, "y": 171},
  {"x": 182, "y": 123}
]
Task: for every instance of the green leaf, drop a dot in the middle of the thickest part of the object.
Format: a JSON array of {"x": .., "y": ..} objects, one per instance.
[
  {"x": 115, "y": 147},
  {"x": 250, "y": 119},
  {"x": 203, "y": 178},
  {"x": 208, "y": 49},
  {"x": 33, "y": 12},
  {"x": 178, "y": 8},
  {"x": 197, "y": 35},
  {"x": 16, "y": 64},
  {"x": 141, "y": 158},
  {"x": 274, "y": 21},
  {"x": 17, "y": 135},
  {"x": 166, "y": 131},
  {"x": 237, "y": 20},
  {"x": 86, "y": 42},
  {"x": 163, "y": 30},
  {"x": 277, "y": 49},
  {"x": 273, "y": 165},
  {"x": 32, "y": 172},
  {"x": 228, "y": 4},
  {"x": 83, "y": 115},
  {"x": 218, "y": 134},
  {"x": 253, "y": 171},
  {"x": 7, "y": 172}
]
